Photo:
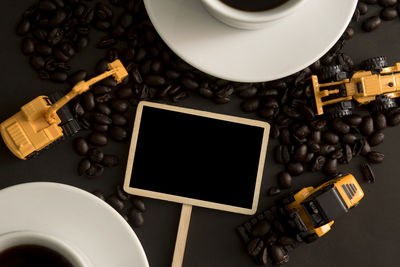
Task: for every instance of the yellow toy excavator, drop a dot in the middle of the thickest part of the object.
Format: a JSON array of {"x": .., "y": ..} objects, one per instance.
[{"x": 45, "y": 119}]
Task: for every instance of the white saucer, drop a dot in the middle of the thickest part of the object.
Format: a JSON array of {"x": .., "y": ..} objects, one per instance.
[
  {"x": 281, "y": 49},
  {"x": 75, "y": 216}
]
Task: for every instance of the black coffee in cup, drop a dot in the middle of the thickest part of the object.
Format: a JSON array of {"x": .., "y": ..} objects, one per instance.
[
  {"x": 254, "y": 5},
  {"x": 32, "y": 256}
]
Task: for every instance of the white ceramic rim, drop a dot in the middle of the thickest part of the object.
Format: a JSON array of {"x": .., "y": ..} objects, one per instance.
[
  {"x": 253, "y": 17},
  {"x": 18, "y": 238}
]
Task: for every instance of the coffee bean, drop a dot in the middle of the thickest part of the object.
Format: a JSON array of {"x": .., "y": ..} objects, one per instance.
[
  {"x": 295, "y": 169},
  {"x": 103, "y": 109},
  {"x": 118, "y": 119},
  {"x": 285, "y": 136},
  {"x": 337, "y": 154},
  {"x": 120, "y": 105},
  {"x": 255, "y": 246},
  {"x": 348, "y": 33},
  {"x": 285, "y": 241},
  {"x": 291, "y": 112},
  {"x": 110, "y": 160},
  {"x": 110, "y": 82},
  {"x": 55, "y": 36},
  {"x": 380, "y": 121},
  {"x": 307, "y": 112},
  {"x": 23, "y": 27},
  {"x": 318, "y": 124},
  {"x": 172, "y": 74},
  {"x": 367, "y": 126},
  {"x": 205, "y": 92},
  {"x": 349, "y": 138},
  {"x": 278, "y": 255},
  {"x": 37, "y": 62},
  {"x": 154, "y": 80},
  {"x": 371, "y": 24},
  {"x": 140, "y": 55},
  {"x": 325, "y": 149},
  {"x": 103, "y": 11},
  {"x": 84, "y": 166},
  {"x": 58, "y": 54},
  {"x": 99, "y": 194},
  {"x": 102, "y": 25},
  {"x": 330, "y": 137},
  {"x": 28, "y": 46},
  {"x": 106, "y": 42},
  {"x": 98, "y": 139},
  {"x": 388, "y": 13},
  {"x": 126, "y": 20},
  {"x": 88, "y": 101},
  {"x": 263, "y": 256},
  {"x": 302, "y": 131},
  {"x": 135, "y": 218},
  {"x": 301, "y": 153},
  {"x": 270, "y": 102},
  {"x": 81, "y": 43},
  {"x": 365, "y": 148},
  {"x": 87, "y": 16},
  {"x": 339, "y": 127},
  {"x": 189, "y": 84},
  {"x": 102, "y": 119},
  {"x": 95, "y": 155},
  {"x": 315, "y": 136},
  {"x": 118, "y": 133},
  {"x": 99, "y": 127},
  {"x": 81, "y": 146},
  {"x": 375, "y": 157},
  {"x": 348, "y": 154},
  {"x": 47, "y": 5},
  {"x": 125, "y": 92},
  {"x": 330, "y": 166},
  {"x": 367, "y": 173},
  {"x": 250, "y": 105},
  {"x": 318, "y": 164},
  {"x": 274, "y": 191},
  {"x": 274, "y": 131},
  {"x": 117, "y": 31},
  {"x": 394, "y": 119},
  {"x": 78, "y": 110},
  {"x": 59, "y": 76},
  {"x": 103, "y": 98},
  {"x": 138, "y": 204},
  {"x": 44, "y": 49},
  {"x": 116, "y": 203},
  {"x": 376, "y": 138},
  {"x": 387, "y": 3},
  {"x": 250, "y": 92},
  {"x": 261, "y": 228},
  {"x": 282, "y": 154},
  {"x": 362, "y": 7},
  {"x": 285, "y": 179},
  {"x": 313, "y": 146},
  {"x": 121, "y": 193},
  {"x": 77, "y": 76}
]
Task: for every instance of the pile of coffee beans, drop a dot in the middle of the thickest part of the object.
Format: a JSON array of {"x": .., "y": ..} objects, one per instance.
[
  {"x": 130, "y": 207},
  {"x": 389, "y": 11}
]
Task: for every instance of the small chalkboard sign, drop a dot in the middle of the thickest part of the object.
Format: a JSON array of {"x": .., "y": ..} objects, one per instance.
[{"x": 196, "y": 158}]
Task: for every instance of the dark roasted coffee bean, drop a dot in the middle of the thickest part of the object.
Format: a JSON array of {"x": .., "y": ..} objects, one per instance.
[
  {"x": 140, "y": 55},
  {"x": 98, "y": 139},
  {"x": 362, "y": 7},
  {"x": 102, "y": 25},
  {"x": 121, "y": 193},
  {"x": 367, "y": 126},
  {"x": 365, "y": 148},
  {"x": 136, "y": 76},
  {"x": 255, "y": 246},
  {"x": 99, "y": 194},
  {"x": 103, "y": 98},
  {"x": 135, "y": 218},
  {"x": 301, "y": 153},
  {"x": 380, "y": 121},
  {"x": 28, "y": 46},
  {"x": 387, "y": 3},
  {"x": 37, "y": 62},
  {"x": 102, "y": 119},
  {"x": 313, "y": 146},
  {"x": 371, "y": 24},
  {"x": 376, "y": 138},
  {"x": 23, "y": 27},
  {"x": 126, "y": 20},
  {"x": 354, "y": 120},
  {"x": 82, "y": 42},
  {"x": 318, "y": 164},
  {"x": 285, "y": 179},
  {"x": 262, "y": 92},
  {"x": 95, "y": 155},
  {"x": 47, "y": 5},
  {"x": 103, "y": 11},
  {"x": 180, "y": 96},
  {"x": 78, "y": 110},
  {"x": 330, "y": 167},
  {"x": 278, "y": 255},
  {"x": 337, "y": 154},
  {"x": 77, "y": 76},
  {"x": 154, "y": 80},
  {"x": 112, "y": 54},
  {"x": 274, "y": 191},
  {"x": 270, "y": 239},
  {"x": 307, "y": 112},
  {"x": 103, "y": 108},
  {"x": 349, "y": 138},
  {"x": 57, "y": 18},
  {"x": 88, "y": 101},
  {"x": 110, "y": 160},
  {"x": 348, "y": 33},
  {"x": 348, "y": 154},
  {"x": 274, "y": 131},
  {"x": 138, "y": 204},
  {"x": 118, "y": 133},
  {"x": 55, "y": 36},
  {"x": 249, "y": 92},
  {"x": 295, "y": 168},
  {"x": 370, "y": 2},
  {"x": 205, "y": 92},
  {"x": 118, "y": 119},
  {"x": 339, "y": 126},
  {"x": 282, "y": 120},
  {"x": 250, "y": 105},
  {"x": 95, "y": 170},
  {"x": 291, "y": 112},
  {"x": 367, "y": 173},
  {"x": 120, "y": 105},
  {"x": 110, "y": 82},
  {"x": 315, "y": 136},
  {"x": 330, "y": 137},
  {"x": 81, "y": 146},
  {"x": 44, "y": 49},
  {"x": 106, "y": 42},
  {"x": 394, "y": 119},
  {"x": 261, "y": 228},
  {"x": 99, "y": 127},
  {"x": 172, "y": 74},
  {"x": 102, "y": 65},
  {"x": 302, "y": 131},
  {"x": 285, "y": 136},
  {"x": 285, "y": 241},
  {"x": 189, "y": 83},
  {"x": 100, "y": 89},
  {"x": 125, "y": 92},
  {"x": 87, "y": 16},
  {"x": 270, "y": 102},
  {"x": 318, "y": 124},
  {"x": 263, "y": 256},
  {"x": 375, "y": 157},
  {"x": 117, "y": 31},
  {"x": 116, "y": 203},
  {"x": 326, "y": 149},
  {"x": 388, "y": 13},
  {"x": 40, "y": 34},
  {"x": 267, "y": 113},
  {"x": 61, "y": 56},
  {"x": 59, "y": 76},
  {"x": 83, "y": 166}
]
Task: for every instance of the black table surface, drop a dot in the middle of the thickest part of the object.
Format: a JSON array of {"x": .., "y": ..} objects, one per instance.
[{"x": 367, "y": 236}]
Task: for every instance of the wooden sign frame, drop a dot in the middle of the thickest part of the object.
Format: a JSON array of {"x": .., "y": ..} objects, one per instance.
[{"x": 191, "y": 201}]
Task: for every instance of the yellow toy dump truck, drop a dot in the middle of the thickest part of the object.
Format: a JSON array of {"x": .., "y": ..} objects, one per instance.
[
  {"x": 312, "y": 211},
  {"x": 45, "y": 120},
  {"x": 376, "y": 84}
]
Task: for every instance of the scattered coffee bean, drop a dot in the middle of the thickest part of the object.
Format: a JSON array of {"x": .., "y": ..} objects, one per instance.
[
  {"x": 295, "y": 168},
  {"x": 84, "y": 166},
  {"x": 81, "y": 146},
  {"x": 388, "y": 13},
  {"x": 367, "y": 126},
  {"x": 98, "y": 139},
  {"x": 380, "y": 121},
  {"x": 394, "y": 119},
  {"x": 376, "y": 138},
  {"x": 95, "y": 155},
  {"x": 285, "y": 241},
  {"x": 375, "y": 157},
  {"x": 110, "y": 160},
  {"x": 371, "y": 24},
  {"x": 285, "y": 179},
  {"x": 120, "y": 105},
  {"x": 330, "y": 167},
  {"x": 135, "y": 218},
  {"x": 261, "y": 228},
  {"x": 88, "y": 101},
  {"x": 367, "y": 173},
  {"x": 76, "y": 77},
  {"x": 278, "y": 255},
  {"x": 99, "y": 194},
  {"x": 138, "y": 204},
  {"x": 121, "y": 193},
  {"x": 116, "y": 203},
  {"x": 118, "y": 133},
  {"x": 263, "y": 256},
  {"x": 255, "y": 246}
]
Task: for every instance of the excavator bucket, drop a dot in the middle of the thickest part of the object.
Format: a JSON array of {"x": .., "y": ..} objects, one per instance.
[{"x": 120, "y": 71}]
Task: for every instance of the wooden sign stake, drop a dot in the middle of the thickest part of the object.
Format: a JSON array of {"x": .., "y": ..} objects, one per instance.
[{"x": 181, "y": 237}]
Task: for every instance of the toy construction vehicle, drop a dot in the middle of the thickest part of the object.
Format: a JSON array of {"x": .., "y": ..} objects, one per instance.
[
  {"x": 377, "y": 84},
  {"x": 312, "y": 211},
  {"x": 45, "y": 120}
]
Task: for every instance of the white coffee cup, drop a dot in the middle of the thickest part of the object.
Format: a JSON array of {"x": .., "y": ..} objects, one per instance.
[
  {"x": 17, "y": 238},
  {"x": 247, "y": 19}
]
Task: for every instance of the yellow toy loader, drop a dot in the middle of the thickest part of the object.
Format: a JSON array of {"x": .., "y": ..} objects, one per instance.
[
  {"x": 377, "y": 84},
  {"x": 45, "y": 119}
]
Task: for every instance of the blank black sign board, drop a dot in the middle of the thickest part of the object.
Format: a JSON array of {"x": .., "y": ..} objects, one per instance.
[{"x": 196, "y": 158}]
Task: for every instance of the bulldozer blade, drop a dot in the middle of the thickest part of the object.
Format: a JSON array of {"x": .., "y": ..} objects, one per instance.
[{"x": 120, "y": 71}]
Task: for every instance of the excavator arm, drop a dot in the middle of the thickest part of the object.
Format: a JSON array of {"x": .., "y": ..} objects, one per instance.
[{"x": 116, "y": 69}]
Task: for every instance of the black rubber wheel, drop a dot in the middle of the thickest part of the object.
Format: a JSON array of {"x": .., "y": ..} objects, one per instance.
[
  {"x": 333, "y": 73},
  {"x": 375, "y": 63},
  {"x": 310, "y": 238},
  {"x": 71, "y": 128},
  {"x": 383, "y": 103},
  {"x": 339, "y": 110}
]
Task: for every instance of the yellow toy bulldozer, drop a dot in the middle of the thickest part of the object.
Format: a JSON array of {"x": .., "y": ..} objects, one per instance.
[
  {"x": 376, "y": 84},
  {"x": 45, "y": 119},
  {"x": 312, "y": 211}
]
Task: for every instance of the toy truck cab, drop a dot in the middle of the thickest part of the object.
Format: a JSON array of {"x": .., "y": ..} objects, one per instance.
[{"x": 314, "y": 210}]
